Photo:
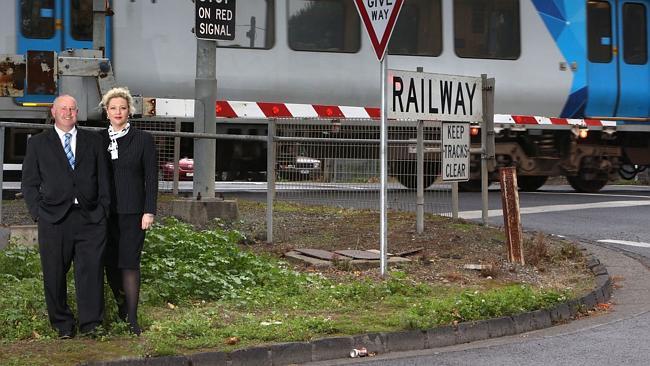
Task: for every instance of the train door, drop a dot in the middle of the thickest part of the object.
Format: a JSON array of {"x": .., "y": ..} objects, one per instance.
[
  {"x": 53, "y": 25},
  {"x": 617, "y": 48}
]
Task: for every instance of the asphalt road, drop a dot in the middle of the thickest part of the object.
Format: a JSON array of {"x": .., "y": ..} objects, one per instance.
[{"x": 618, "y": 215}]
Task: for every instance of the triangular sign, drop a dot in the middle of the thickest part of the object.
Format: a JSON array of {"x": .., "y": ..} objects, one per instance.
[{"x": 379, "y": 17}]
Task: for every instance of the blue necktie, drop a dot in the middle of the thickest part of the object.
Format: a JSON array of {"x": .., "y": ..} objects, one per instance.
[{"x": 68, "y": 149}]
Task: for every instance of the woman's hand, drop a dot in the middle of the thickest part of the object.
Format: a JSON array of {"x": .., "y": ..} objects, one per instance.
[{"x": 147, "y": 221}]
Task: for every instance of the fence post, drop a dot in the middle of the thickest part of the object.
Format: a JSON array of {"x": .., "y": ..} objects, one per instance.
[
  {"x": 419, "y": 213},
  {"x": 454, "y": 200},
  {"x": 177, "y": 157},
  {"x": 2, "y": 162},
  {"x": 270, "y": 179},
  {"x": 488, "y": 124}
]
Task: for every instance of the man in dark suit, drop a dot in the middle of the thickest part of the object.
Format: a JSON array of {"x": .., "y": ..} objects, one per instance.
[{"x": 66, "y": 187}]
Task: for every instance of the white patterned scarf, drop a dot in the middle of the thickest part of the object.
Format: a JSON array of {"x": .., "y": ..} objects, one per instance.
[{"x": 113, "y": 136}]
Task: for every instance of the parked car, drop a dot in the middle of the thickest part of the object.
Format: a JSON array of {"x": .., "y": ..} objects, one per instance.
[
  {"x": 185, "y": 169},
  {"x": 300, "y": 168}
]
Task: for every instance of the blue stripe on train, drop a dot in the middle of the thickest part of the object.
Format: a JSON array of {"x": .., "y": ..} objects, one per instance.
[{"x": 565, "y": 21}]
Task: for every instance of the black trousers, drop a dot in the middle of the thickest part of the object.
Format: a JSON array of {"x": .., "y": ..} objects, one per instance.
[{"x": 73, "y": 239}]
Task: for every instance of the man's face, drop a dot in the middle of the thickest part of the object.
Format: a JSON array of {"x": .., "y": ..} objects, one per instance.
[{"x": 64, "y": 111}]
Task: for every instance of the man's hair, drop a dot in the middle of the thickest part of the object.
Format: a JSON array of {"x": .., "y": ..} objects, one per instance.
[{"x": 57, "y": 99}]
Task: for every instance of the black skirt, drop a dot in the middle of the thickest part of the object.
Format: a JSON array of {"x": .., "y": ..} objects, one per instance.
[{"x": 125, "y": 241}]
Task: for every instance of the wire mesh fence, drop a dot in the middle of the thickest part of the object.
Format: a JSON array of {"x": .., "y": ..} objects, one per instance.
[
  {"x": 316, "y": 162},
  {"x": 339, "y": 164},
  {"x": 168, "y": 149}
]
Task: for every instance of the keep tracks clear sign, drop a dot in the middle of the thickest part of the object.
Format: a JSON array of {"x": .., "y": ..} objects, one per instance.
[
  {"x": 215, "y": 19},
  {"x": 454, "y": 100},
  {"x": 455, "y": 151}
]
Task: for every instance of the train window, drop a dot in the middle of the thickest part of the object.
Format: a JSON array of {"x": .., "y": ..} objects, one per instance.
[
  {"x": 37, "y": 18},
  {"x": 255, "y": 23},
  {"x": 324, "y": 25},
  {"x": 487, "y": 29},
  {"x": 418, "y": 30},
  {"x": 635, "y": 47},
  {"x": 81, "y": 19},
  {"x": 599, "y": 31}
]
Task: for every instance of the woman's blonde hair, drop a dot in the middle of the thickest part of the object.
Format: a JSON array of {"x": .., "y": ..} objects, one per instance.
[{"x": 119, "y": 92}]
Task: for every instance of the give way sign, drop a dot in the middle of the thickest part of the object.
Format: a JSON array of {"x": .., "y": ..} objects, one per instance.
[{"x": 379, "y": 17}]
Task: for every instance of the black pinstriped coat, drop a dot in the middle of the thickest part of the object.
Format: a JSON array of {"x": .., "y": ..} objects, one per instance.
[
  {"x": 134, "y": 178},
  {"x": 50, "y": 185}
]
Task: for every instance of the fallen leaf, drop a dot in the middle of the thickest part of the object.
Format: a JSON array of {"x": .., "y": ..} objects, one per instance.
[{"x": 232, "y": 340}]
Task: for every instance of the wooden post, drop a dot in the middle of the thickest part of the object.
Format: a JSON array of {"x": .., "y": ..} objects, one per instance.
[{"x": 511, "y": 217}]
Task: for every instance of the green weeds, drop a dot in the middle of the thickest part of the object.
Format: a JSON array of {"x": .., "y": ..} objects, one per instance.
[
  {"x": 201, "y": 291},
  {"x": 180, "y": 264}
]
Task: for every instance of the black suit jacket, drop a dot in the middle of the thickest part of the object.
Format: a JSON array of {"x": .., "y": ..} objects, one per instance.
[
  {"x": 50, "y": 185},
  {"x": 134, "y": 183}
]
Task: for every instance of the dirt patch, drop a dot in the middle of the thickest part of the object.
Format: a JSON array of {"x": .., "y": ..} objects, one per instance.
[{"x": 440, "y": 253}]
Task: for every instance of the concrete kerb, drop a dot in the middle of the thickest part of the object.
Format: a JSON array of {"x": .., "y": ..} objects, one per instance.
[{"x": 339, "y": 347}]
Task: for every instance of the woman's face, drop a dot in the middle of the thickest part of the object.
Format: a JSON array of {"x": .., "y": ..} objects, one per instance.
[{"x": 118, "y": 112}]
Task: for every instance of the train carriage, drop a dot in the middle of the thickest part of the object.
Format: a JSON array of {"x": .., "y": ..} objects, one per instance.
[{"x": 572, "y": 77}]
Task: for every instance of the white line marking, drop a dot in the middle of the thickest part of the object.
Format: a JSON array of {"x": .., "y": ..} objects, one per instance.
[
  {"x": 469, "y": 215},
  {"x": 601, "y": 194},
  {"x": 625, "y": 242}
]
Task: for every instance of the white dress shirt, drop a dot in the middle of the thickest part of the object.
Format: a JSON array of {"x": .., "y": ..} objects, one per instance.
[
  {"x": 73, "y": 140},
  {"x": 73, "y": 144}
]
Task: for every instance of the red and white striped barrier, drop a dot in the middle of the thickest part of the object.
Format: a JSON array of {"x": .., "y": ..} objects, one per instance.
[
  {"x": 505, "y": 119},
  {"x": 179, "y": 108}
]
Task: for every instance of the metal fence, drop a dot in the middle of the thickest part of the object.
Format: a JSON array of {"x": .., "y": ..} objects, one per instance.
[
  {"x": 338, "y": 163},
  {"x": 168, "y": 149},
  {"x": 318, "y": 162}
]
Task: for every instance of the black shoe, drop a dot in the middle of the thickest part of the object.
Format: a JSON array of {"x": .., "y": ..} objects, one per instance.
[
  {"x": 134, "y": 328},
  {"x": 94, "y": 333},
  {"x": 121, "y": 312},
  {"x": 66, "y": 334}
]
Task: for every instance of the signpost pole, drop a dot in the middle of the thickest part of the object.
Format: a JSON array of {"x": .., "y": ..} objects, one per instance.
[
  {"x": 379, "y": 19},
  {"x": 419, "y": 212},
  {"x": 212, "y": 21},
  {"x": 205, "y": 93},
  {"x": 382, "y": 158}
]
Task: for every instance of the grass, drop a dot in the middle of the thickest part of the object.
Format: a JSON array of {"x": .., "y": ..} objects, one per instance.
[{"x": 202, "y": 292}]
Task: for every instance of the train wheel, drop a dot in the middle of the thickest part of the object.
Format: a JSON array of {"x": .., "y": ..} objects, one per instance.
[
  {"x": 586, "y": 186},
  {"x": 472, "y": 185},
  {"x": 530, "y": 183},
  {"x": 405, "y": 174},
  {"x": 411, "y": 182},
  {"x": 628, "y": 171}
]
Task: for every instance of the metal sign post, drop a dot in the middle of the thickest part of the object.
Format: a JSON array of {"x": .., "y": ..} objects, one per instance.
[
  {"x": 214, "y": 20},
  {"x": 383, "y": 226},
  {"x": 379, "y": 18}
]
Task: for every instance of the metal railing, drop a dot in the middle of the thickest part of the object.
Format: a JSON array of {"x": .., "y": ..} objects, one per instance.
[{"x": 320, "y": 162}]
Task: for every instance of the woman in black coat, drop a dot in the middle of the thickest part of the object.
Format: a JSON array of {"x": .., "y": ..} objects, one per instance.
[{"x": 134, "y": 190}]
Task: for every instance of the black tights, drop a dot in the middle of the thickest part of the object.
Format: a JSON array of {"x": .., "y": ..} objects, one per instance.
[{"x": 125, "y": 284}]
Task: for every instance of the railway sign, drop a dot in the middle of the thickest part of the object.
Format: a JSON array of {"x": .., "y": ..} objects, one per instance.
[
  {"x": 434, "y": 97},
  {"x": 455, "y": 151},
  {"x": 215, "y": 19},
  {"x": 379, "y": 17}
]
